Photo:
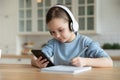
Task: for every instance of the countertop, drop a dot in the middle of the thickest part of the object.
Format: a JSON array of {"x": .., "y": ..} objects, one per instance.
[{"x": 16, "y": 56}]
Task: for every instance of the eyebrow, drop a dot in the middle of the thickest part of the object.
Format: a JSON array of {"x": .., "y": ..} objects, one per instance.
[
  {"x": 61, "y": 26},
  {"x": 57, "y": 29}
]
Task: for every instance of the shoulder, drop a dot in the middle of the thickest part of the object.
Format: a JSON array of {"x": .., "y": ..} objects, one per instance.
[
  {"x": 84, "y": 39},
  {"x": 87, "y": 41},
  {"x": 52, "y": 42}
]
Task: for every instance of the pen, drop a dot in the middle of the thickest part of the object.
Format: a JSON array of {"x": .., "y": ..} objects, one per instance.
[{"x": 83, "y": 51}]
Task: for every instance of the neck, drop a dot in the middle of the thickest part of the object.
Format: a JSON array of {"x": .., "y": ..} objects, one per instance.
[{"x": 73, "y": 35}]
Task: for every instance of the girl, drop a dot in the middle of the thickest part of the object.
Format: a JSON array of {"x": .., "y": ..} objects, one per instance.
[{"x": 67, "y": 44}]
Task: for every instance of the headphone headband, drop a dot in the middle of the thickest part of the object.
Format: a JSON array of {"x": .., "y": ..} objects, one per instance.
[{"x": 74, "y": 25}]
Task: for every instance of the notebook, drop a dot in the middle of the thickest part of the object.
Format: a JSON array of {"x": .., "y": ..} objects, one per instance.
[{"x": 65, "y": 69}]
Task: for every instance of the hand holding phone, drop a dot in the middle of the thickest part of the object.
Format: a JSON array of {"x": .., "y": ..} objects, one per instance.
[{"x": 39, "y": 53}]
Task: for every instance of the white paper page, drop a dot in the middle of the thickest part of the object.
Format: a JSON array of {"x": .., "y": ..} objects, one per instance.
[{"x": 65, "y": 69}]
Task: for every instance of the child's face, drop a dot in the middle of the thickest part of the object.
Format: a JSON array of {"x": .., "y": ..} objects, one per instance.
[{"x": 59, "y": 29}]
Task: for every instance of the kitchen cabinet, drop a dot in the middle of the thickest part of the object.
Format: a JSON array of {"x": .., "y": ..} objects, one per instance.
[
  {"x": 32, "y": 15},
  {"x": 116, "y": 63},
  {"x": 86, "y": 15},
  {"x": 15, "y": 59}
]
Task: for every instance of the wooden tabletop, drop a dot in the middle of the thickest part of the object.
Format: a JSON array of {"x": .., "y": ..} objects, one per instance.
[{"x": 28, "y": 72}]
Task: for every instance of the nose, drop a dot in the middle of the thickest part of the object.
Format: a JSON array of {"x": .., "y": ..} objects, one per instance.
[{"x": 57, "y": 35}]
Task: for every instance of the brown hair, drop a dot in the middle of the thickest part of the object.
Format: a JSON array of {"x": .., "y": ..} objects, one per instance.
[{"x": 57, "y": 12}]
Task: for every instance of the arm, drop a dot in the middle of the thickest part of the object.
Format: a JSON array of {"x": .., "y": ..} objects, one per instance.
[
  {"x": 94, "y": 62},
  {"x": 94, "y": 56}
]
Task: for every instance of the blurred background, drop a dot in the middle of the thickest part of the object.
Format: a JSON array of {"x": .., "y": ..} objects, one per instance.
[{"x": 22, "y": 22}]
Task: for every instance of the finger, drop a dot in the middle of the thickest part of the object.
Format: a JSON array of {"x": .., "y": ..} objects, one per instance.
[
  {"x": 38, "y": 64},
  {"x": 40, "y": 58},
  {"x": 42, "y": 61},
  {"x": 74, "y": 60},
  {"x": 74, "y": 63},
  {"x": 45, "y": 64}
]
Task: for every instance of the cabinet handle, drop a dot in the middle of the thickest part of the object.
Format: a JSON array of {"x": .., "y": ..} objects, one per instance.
[{"x": 19, "y": 59}]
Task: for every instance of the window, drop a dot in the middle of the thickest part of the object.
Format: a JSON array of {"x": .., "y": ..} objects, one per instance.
[
  {"x": 25, "y": 15},
  {"x": 42, "y": 9},
  {"x": 86, "y": 15}
]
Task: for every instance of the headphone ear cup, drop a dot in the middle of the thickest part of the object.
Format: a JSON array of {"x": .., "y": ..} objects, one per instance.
[
  {"x": 75, "y": 26},
  {"x": 71, "y": 26}
]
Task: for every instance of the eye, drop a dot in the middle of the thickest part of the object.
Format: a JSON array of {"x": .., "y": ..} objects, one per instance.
[
  {"x": 61, "y": 30},
  {"x": 52, "y": 32}
]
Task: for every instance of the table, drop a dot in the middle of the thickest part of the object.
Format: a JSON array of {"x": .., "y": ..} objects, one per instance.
[{"x": 28, "y": 72}]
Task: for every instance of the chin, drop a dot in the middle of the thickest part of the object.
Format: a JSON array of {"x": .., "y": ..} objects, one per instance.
[{"x": 63, "y": 41}]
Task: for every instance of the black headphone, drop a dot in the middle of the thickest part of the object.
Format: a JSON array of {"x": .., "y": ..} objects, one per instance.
[{"x": 73, "y": 25}]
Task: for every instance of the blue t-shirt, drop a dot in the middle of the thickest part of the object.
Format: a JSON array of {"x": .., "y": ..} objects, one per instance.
[{"x": 62, "y": 53}]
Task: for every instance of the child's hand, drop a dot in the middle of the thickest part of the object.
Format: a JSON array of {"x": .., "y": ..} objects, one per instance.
[
  {"x": 78, "y": 61},
  {"x": 41, "y": 63}
]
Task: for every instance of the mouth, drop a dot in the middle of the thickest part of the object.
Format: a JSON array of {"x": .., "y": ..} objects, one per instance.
[{"x": 61, "y": 40}]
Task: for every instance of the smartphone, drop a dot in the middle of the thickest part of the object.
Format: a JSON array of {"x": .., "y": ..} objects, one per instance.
[{"x": 39, "y": 53}]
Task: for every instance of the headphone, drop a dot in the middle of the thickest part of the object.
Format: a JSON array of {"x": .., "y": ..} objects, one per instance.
[{"x": 73, "y": 24}]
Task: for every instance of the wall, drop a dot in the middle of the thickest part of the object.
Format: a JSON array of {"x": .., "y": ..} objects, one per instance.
[
  {"x": 8, "y": 25},
  {"x": 110, "y": 22},
  {"x": 111, "y": 16}
]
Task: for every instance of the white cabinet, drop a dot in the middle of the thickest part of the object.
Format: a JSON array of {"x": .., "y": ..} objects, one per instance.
[
  {"x": 32, "y": 15},
  {"x": 85, "y": 12},
  {"x": 15, "y": 61},
  {"x": 116, "y": 63},
  {"x": 25, "y": 16}
]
